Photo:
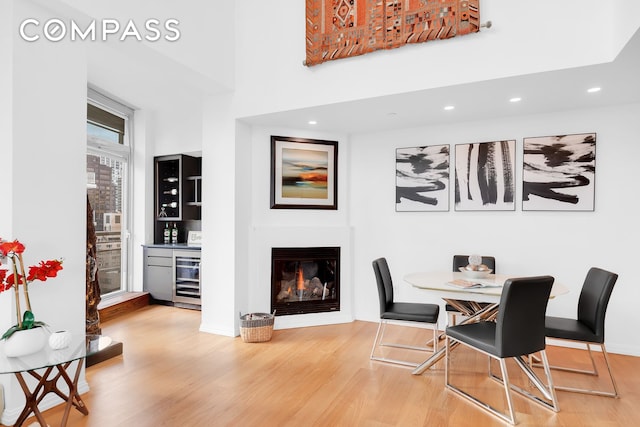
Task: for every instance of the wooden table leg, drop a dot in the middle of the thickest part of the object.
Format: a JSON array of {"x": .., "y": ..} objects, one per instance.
[
  {"x": 74, "y": 397},
  {"x": 46, "y": 386},
  {"x": 32, "y": 398}
]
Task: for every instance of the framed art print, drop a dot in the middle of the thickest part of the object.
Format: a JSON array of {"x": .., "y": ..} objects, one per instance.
[
  {"x": 422, "y": 178},
  {"x": 485, "y": 176},
  {"x": 303, "y": 173},
  {"x": 559, "y": 173}
]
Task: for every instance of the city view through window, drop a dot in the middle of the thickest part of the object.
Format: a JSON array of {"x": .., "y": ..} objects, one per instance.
[{"x": 106, "y": 176}]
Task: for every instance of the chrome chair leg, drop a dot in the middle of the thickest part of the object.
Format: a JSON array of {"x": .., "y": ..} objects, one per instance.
[
  {"x": 510, "y": 418},
  {"x": 593, "y": 371},
  {"x": 507, "y": 385},
  {"x": 379, "y": 334},
  {"x": 547, "y": 390},
  {"x": 614, "y": 394},
  {"x": 379, "y": 342}
]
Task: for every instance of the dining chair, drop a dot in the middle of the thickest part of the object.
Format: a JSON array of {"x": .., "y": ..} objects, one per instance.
[
  {"x": 400, "y": 313},
  {"x": 517, "y": 331},
  {"x": 588, "y": 328},
  {"x": 463, "y": 261}
]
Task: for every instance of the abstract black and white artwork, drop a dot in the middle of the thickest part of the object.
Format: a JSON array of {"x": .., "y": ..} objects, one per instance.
[
  {"x": 484, "y": 176},
  {"x": 422, "y": 178},
  {"x": 559, "y": 173}
]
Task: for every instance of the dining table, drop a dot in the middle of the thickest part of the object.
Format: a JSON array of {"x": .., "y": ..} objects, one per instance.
[{"x": 477, "y": 298}]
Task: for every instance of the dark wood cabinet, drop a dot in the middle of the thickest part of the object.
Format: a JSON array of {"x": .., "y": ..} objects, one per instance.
[{"x": 178, "y": 193}]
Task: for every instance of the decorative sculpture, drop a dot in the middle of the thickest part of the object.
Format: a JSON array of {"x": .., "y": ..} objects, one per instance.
[{"x": 93, "y": 286}]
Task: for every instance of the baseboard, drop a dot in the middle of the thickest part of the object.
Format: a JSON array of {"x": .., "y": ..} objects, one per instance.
[{"x": 122, "y": 304}]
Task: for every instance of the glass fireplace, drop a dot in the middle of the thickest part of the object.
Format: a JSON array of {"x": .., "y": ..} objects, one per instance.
[{"x": 305, "y": 280}]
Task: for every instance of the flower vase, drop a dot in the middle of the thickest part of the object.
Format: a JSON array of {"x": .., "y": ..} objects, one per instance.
[{"x": 24, "y": 342}]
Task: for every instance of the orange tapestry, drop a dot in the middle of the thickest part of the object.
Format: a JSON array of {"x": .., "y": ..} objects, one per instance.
[{"x": 343, "y": 28}]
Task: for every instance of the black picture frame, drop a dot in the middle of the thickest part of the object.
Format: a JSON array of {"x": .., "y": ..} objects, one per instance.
[
  {"x": 485, "y": 176},
  {"x": 304, "y": 173},
  {"x": 422, "y": 178},
  {"x": 559, "y": 172}
]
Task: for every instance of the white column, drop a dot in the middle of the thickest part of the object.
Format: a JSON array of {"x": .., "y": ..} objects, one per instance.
[{"x": 47, "y": 194}]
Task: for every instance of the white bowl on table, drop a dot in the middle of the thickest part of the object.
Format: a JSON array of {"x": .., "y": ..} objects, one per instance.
[{"x": 475, "y": 274}]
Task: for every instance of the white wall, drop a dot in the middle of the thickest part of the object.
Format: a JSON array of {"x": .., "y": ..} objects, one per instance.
[
  {"x": 270, "y": 77},
  {"x": 200, "y": 23},
  {"x": 244, "y": 174},
  {"x": 295, "y": 227},
  {"x": 270, "y": 48},
  {"x": 624, "y": 20},
  {"x": 262, "y": 214},
  {"x": 562, "y": 244},
  {"x": 49, "y": 181},
  {"x": 219, "y": 223},
  {"x": 47, "y": 82},
  {"x": 142, "y": 228},
  {"x": 6, "y": 102},
  {"x": 6, "y": 148},
  {"x": 178, "y": 126}
]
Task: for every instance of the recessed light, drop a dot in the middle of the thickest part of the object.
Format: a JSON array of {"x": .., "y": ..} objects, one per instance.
[
  {"x": 312, "y": 122},
  {"x": 515, "y": 99},
  {"x": 392, "y": 114},
  {"x": 449, "y": 107},
  {"x": 593, "y": 90}
]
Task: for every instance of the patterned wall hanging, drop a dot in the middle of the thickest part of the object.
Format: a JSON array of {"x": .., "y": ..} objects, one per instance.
[
  {"x": 422, "y": 178},
  {"x": 559, "y": 173},
  {"x": 485, "y": 174},
  {"x": 344, "y": 28}
]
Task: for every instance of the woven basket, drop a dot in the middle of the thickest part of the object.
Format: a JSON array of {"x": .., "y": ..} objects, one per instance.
[{"x": 256, "y": 327}]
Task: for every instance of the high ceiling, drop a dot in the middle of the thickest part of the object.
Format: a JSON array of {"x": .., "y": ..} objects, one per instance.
[
  {"x": 539, "y": 93},
  {"x": 156, "y": 77}
]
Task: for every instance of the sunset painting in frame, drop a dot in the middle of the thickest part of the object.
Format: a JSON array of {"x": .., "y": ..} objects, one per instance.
[{"x": 303, "y": 173}]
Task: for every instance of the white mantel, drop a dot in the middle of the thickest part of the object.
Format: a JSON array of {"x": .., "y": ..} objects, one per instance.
[{"x": 263, "y": 239}]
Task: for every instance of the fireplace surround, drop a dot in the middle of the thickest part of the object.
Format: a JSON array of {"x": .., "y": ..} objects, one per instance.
[{"x": 305, "y": 280}]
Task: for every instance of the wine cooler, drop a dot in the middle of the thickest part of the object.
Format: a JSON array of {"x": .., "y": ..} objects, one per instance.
[{"x": 186, "y": 270}]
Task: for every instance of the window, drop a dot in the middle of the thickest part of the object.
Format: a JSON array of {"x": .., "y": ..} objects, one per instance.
[{"x": 108, "y": 163}]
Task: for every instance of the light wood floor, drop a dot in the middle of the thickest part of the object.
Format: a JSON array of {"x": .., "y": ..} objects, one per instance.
[{"x": 172, "y": 375}]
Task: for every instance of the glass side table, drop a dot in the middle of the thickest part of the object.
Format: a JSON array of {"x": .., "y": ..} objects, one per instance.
[{"x": 55, "y": 365}]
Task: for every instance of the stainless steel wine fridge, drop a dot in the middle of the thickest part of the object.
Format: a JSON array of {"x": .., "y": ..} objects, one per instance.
[{"x": 186, "y": 277}]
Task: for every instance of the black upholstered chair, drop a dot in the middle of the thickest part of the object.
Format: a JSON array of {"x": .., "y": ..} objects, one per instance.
[
  {"x": 405, "y": 313},
  {"x": 588, "y": 328},
  {"x": 518, "y": 331},
  {"x": 469, "y": 306}
]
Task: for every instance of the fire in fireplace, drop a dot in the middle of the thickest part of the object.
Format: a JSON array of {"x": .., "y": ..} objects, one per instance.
[{"x": 305, "y": 280}]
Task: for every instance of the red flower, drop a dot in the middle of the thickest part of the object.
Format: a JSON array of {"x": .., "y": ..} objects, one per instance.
[
  {"x": 15, "y": 247},
  {"x": 11, "y": 279},
  {"x": 44, "y": 270},
  {"x": 4, "y": 286},
  {"x": 7, "y": 282}
]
